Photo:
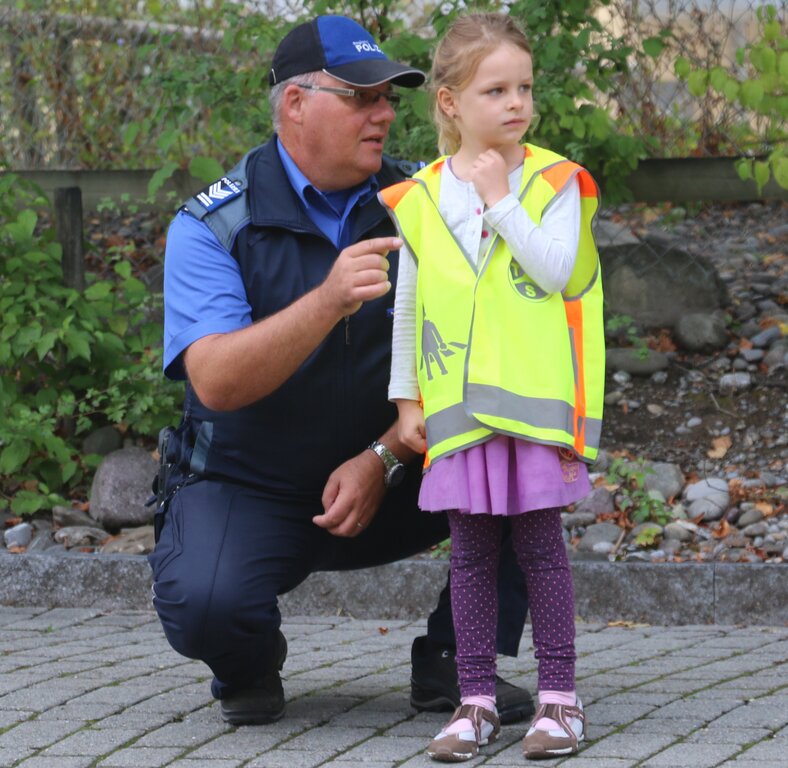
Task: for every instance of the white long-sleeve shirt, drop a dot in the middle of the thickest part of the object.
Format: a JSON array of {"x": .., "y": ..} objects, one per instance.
[{"x": 546, "y": 254}]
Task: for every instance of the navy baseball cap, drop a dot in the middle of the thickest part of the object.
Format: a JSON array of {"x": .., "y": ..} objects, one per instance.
[{"x": 341, "y": 48}]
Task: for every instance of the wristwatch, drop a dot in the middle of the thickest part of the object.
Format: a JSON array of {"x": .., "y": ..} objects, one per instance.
[{"x": 394, "y": 468}]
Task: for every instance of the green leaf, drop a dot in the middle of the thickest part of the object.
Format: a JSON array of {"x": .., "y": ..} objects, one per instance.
[
  {"x": 697, "y": 82},
  {"x": 26, "y": 338},
  {"x": 27, "y": 503},
  {"x": 682, "y": 67},
  {"x": 731, "y": 90},
  {"x": 123, "y": 268},
  {"x": 772, "y": 31},
  {"x": 13, "y": 456},
  {"x": 653, "y": 46},
  {"x": 26, "y": 221},
  {"x": 718, "y": 78},
  {"x": 98, "y": 290},
  {"x": 167, "y": 139},
  {"x": 77, "y": 345},
  {"x": 761, "y": 173},
  {"x": 45, "y": 344},
  {"x": 131, "y": 133},
  {"x": 157, "y": 180},
  {"x": 205, "y": 168},
  {"x": 751, "y": 93},
  {"x": 780, "y": 171},
  {"x": 782, "y": 66},
  {"x": 119, "y": 324}
]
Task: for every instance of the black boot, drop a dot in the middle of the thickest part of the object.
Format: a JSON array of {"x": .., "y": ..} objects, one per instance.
[
  {"x": 434, "y": 688},
  {"x": 264, "y": 700}
]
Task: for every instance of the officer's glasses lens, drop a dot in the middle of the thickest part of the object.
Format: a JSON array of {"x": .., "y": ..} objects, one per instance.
[{"x": 368, "y": 98}]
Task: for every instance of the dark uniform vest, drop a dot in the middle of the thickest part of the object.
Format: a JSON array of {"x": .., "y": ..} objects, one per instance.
[{"x": 336, "y": 403}]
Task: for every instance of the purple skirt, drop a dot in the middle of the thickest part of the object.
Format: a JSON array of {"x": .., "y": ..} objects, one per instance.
[{"x": 504, "y": 476}]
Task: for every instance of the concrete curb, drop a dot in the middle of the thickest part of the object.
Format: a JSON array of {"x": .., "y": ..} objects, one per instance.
[{"x": 664, "y": 594}]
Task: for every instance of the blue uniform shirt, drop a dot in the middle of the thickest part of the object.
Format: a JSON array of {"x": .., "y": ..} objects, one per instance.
[{"x": 203, "y": 289}]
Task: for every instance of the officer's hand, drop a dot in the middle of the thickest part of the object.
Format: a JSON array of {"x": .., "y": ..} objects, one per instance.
[
  {"x": 352, "y": 495},
  {"x": 360, "y": 273}
]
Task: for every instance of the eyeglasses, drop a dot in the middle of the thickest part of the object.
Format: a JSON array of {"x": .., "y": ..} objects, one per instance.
[{"x": 362, "y": 98}]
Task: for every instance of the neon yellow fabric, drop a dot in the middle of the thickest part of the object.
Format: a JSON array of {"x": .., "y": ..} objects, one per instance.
[{"x": 495, "y": 353}]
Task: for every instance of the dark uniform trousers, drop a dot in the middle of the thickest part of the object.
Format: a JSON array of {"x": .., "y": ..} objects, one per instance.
[{"x": 226, "y": 551}]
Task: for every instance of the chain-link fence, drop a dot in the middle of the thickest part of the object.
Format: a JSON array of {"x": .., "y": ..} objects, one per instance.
[
  {"x": 80, "y": 90},
  {"x": 73, "y": 85},
  {"x": 654, "y": 103}
]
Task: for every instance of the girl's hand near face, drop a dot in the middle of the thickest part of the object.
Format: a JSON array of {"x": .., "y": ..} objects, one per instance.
[{"x": 489, "y": 175}]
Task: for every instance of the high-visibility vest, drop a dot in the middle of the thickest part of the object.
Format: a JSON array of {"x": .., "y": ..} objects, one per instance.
[{"x": 495, "y": 353}]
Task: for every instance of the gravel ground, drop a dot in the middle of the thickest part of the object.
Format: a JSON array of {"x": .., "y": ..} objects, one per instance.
[{"x": 679, "y": 415}]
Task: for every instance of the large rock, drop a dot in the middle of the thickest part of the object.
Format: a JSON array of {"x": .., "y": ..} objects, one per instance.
[
  {"x": 121, "y": 487},
  {"x": 638, "y": 362},
  {"x": 657, "y": 282},
  {"x": 599, "y": 533},
  {"x": 697, "y": 331},
  {"x": 666, "y": 478}
]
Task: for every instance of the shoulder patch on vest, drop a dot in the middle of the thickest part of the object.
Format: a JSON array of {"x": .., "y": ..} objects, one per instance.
[{"x": 220, "y": 192}]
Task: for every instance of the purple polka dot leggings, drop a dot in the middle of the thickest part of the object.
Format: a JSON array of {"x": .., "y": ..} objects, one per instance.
[{"x": 541, "y": 553}]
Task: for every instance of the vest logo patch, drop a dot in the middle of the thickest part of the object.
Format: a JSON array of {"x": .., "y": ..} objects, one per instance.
[
  {"x": 434, "y": 348},
  {"x": 523, "y": 284},
  {"x": 218, "y": 193}
]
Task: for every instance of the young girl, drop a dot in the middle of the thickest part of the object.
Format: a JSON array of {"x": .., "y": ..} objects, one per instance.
[{"x": 498, "y": 366}]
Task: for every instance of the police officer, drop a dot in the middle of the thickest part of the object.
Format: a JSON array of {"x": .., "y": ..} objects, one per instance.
[{"x": 278, "y": 307}]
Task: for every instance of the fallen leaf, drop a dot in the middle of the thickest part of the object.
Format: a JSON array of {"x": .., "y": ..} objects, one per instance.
[
  {"x": 12, "y": 521},
  {"x": 722, "y": 530},
  {"x": 765, "y": 508},
  {"x": 663, "y": 342},
  {"x": 15, "y": 549},
  {"x": 720, "y": 447},
  {"x": 627, "y": 624},
  {"x": 383, "y": 630}
]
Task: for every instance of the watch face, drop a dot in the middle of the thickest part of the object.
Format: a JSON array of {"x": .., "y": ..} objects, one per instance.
[{"x": 395, "y": 476}]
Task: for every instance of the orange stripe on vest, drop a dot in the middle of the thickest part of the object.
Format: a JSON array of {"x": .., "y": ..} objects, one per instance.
[
  {"x": 393, "y": 194},
  {"x": 558, "y": 175},
  {"x": 574, "y": 318},
  {"x": 587, "y": 184}
]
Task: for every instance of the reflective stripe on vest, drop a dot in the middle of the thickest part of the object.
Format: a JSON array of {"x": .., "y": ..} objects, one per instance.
[{"x": 495, "y": 353}]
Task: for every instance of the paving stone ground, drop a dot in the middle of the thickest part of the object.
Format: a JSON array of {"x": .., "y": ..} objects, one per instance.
[{"x": 84, "y": 688}]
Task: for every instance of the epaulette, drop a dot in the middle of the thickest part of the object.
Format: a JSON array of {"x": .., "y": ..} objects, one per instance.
[{"x": 224, "y": 204}]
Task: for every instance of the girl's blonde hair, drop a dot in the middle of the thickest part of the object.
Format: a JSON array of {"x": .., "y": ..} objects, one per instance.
[{"x": 468, "y": 40}]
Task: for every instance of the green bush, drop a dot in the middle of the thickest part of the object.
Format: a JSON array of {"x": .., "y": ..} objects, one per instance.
[
  {"x": 576, "y": 60},
  {"x": 763, "y": 91},
  {"x": 69, "y": 361}
]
